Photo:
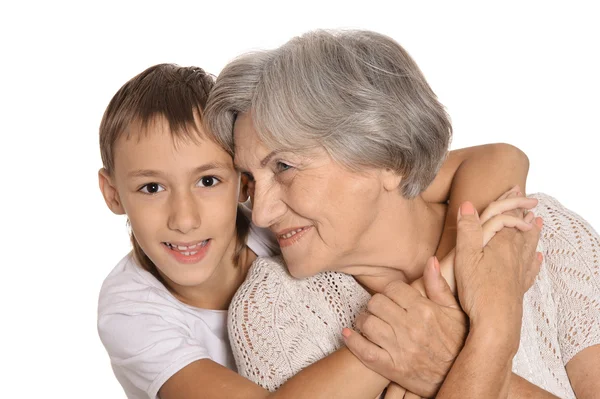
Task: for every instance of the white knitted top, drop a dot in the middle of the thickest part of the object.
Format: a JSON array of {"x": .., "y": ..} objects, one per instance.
[{"x": 278, "y": 325}]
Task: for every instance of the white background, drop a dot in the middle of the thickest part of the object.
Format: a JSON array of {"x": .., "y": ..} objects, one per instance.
[{"x": 521, "y": 72}]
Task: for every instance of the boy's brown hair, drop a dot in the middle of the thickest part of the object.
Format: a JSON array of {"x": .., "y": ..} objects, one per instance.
[{"x": 178, "y": 94}]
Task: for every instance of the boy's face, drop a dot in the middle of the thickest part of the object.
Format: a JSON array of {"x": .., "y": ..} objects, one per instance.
[{"x": 181, "y": 200}]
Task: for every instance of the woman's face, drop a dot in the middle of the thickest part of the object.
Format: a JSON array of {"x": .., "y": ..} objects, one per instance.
[{"x": 319, "y": 210}]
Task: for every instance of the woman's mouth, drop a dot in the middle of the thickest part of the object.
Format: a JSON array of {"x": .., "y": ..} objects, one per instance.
[{"x": 291, "y": 236}]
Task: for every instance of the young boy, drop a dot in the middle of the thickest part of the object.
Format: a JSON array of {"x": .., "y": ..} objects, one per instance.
[
  {"x": 164, "y": 306},
  {"x": 162, "y": 310}
]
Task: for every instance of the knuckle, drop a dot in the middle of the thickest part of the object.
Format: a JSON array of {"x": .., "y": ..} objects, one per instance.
[
  {"x": 368, "y": 324},
  {"x": 370, "y": 355},
  {"x": 467, "y": 223},
  {"x": 375, "y": 302},
  {"x": 391, "y": 289},
  {"x": 427, "y": 313}
]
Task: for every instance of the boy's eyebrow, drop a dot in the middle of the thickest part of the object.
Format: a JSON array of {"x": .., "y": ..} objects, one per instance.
[{"x": 199, "y": 169}]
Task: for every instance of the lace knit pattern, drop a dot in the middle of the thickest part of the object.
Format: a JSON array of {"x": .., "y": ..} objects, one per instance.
[{"x": 278, "y": 325}]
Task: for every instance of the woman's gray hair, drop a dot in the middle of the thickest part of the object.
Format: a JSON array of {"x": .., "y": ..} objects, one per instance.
[{"x": 358, "y": 94}]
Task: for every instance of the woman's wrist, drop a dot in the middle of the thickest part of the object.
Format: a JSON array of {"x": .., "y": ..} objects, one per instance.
[{"x": 500, "y": 340}]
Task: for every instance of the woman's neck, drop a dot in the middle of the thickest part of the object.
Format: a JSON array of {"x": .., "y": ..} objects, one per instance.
[{"x": 399, "y": 244}]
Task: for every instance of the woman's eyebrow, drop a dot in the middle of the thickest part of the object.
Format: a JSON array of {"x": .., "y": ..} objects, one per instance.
[{"x": 266, "y": 159}]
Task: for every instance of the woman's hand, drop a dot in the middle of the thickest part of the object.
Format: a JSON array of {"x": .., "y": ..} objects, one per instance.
[
  {"x": 498, "y": 274},
  {"x": 412, "y": 340},
  {"x": 409, "y": 338},
  {"x": 509, "y": 210}
]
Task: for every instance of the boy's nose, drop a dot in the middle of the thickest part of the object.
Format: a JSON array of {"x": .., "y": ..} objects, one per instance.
[{"x": 184, "y": 213}]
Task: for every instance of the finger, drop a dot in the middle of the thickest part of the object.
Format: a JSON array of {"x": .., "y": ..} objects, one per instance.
[
  {"x": 515, "y": 189},
  {"x": 401, "y": 293},
  {"x": 469, "y": 233},
  {"x": 367, "y": 352},
  {"x": 410, "y": 395},
  {"x": 387, "y": 310},
  {"x": 529, "y": 217},
  {"x": 507, "y": 205},
  {"x": 498, "y": 222},
  {"x": 375, "y": 330},
  {"x": 394, "y": 391},
  {"x": 531, "y": 241},
  {"x": 436, "y": 287}
]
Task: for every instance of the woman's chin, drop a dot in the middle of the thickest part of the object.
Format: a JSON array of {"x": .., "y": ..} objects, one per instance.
[{"x": 303, "y": 269}]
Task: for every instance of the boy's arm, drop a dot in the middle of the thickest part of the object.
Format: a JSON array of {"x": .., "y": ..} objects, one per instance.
[
  {"x": 339, "y": 375},
  {"x": 478, "y": 174}
]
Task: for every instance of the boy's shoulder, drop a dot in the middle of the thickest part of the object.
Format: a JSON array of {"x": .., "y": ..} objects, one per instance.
[{"x": 128, "y": 283}]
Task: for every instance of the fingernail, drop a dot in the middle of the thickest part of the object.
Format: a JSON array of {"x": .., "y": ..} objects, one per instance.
[
  {"x": 466, "y": 209},
  {"x": 436, "y": 264},
  {"x": 539, "y": 222},
  {"x": 529, "y": 217},
  {"x": 346, "y": 332},
  {"x": 540, "y": 256}
]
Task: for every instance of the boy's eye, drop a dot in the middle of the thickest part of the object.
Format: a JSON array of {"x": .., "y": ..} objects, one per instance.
[
  {"x": 151, "y": 188},
  {"x": 208, "y": 181}
]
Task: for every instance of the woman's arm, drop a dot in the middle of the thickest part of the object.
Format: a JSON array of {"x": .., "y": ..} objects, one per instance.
[
  {"x": 575, "y": 282},
  {"x": 478, "y": 174}
]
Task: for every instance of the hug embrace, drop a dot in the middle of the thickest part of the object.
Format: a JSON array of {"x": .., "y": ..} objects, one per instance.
[{"x": 300, "y": 229}]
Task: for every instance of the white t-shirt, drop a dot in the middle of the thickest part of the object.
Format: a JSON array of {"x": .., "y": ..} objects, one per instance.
[{"x": 150, "y": 335}]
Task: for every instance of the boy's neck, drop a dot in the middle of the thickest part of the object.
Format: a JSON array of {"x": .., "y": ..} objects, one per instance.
[{"x": 216, "y": 294}]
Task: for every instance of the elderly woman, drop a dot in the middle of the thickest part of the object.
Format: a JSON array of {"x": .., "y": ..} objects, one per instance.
[{"x": 340, "y": 135}]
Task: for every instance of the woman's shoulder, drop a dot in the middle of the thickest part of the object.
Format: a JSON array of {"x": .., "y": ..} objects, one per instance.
[
  {"x": 268, "y": 281},
  {"x": 272, "y": 270},
  {"x": 562, "y": 224}
]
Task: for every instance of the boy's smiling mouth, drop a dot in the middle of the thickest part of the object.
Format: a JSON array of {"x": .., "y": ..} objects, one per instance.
[{"x": 188, "y": 252}]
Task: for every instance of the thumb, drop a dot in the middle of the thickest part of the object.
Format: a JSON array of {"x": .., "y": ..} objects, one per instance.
[
  {"x": 436, "y": 287},
  {"x": 469, "y": 235}
]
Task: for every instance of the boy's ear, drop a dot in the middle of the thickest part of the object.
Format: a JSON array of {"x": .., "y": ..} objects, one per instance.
[
  {"x": 391, "y": 180},
  {"x": 110, "y": 193},
  {"x": 244, "y": 188}
]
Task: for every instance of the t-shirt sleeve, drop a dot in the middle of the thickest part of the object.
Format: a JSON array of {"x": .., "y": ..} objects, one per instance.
[
  {"x": 572, "y": 258},
  {"x": 146, "y": 349}
]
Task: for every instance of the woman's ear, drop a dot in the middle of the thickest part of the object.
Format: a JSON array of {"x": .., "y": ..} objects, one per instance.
[
  {"x": 110, "y": 193},
  {"x": 391, "y": 180}
]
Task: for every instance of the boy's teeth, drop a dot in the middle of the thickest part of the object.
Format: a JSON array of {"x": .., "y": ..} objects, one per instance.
[{"x": 185, "y": 250}]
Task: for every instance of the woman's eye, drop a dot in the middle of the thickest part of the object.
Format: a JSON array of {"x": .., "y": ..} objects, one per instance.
[
  {"x": 282, "y": 166},
  {"x": 208, "y": 181},
  {"x": 151, "y": 188}
]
